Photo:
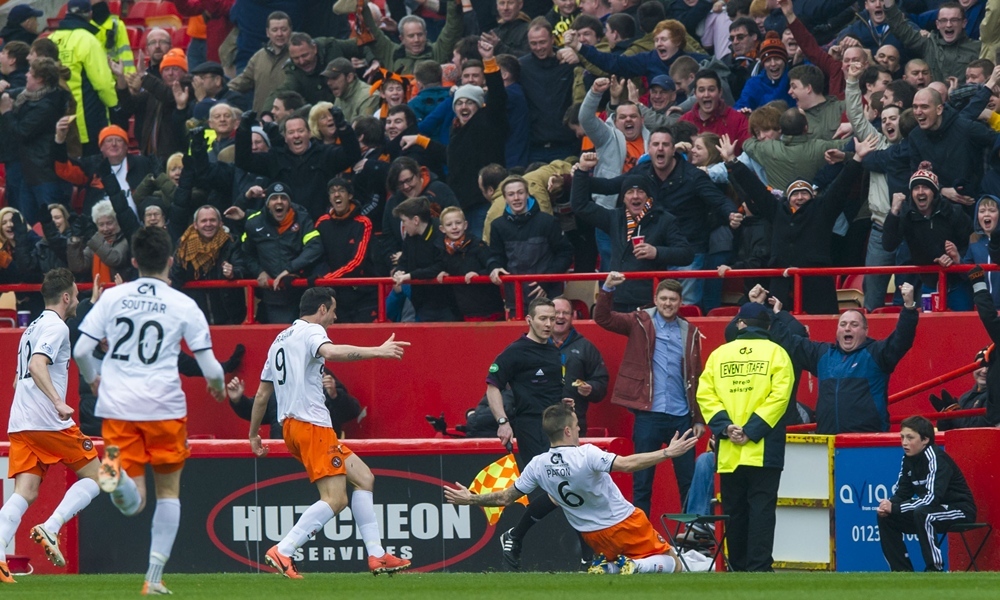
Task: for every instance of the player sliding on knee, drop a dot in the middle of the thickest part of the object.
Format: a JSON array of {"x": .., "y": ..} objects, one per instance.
[
  {"x": 591, "y": 501},
  {"x": 293, "y": 373}
]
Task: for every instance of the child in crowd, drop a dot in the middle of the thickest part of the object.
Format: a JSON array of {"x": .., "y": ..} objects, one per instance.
[{"x": 467, "y": 255}]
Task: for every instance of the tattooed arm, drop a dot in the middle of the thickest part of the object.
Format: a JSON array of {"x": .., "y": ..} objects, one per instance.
[
  {"x": 462, "y": 495},
  {"x": 343, "y": 353}
]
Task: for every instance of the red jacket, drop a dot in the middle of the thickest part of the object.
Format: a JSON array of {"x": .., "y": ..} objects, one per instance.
[
  {"x": 831, "y": 67},
  {"x": 634, "y": 387},
  {"x": 723, "y": 121}
]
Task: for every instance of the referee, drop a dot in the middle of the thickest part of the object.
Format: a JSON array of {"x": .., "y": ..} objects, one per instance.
[{"x": 532, "y": 367}]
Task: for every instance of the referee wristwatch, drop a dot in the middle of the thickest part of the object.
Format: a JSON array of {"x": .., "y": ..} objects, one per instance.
[{"x": 503, "y": 421}]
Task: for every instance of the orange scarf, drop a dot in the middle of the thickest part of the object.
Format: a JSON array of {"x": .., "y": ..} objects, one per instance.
[
  {"x": 200, "y": 255},
  {"x": 453, "y": 246},
  {"x": 345, "y": 216},
  {"x": 287, "y": 222},
  {"x": 97, "y": 267},
  {"x": 6, "y": 256}
]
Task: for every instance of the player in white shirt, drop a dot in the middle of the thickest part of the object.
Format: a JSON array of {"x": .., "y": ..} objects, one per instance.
[
  {"x": 294, "y": 374},
  {"x": 578, "y": 479},
  {"x": 139, "y": 391},
  {"x": 41, "y": 430}
]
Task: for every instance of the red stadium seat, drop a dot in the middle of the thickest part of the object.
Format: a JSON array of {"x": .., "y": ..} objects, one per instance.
[
  {"x": 8, "y": 317},
  {"x": 580, "y": 309},
  {"x": 115, "y": 6},
  {"x": 852, "y": 282},
  {"x": 180, "y": 38},
  {"x": 136, "y": 36},
  {"x": 887, "y": 310},
  {"x": 689, "y": 310},
  {"x": 143, "y": 9},
  {"x": 724, "y": 311}
]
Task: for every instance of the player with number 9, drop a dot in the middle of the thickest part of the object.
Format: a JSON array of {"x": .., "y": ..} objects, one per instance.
[
  {"x": 293, "y": 373},
  {"x": 138, "y": 388}
]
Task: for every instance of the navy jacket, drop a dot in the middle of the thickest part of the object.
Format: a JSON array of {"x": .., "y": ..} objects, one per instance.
[{"x": 853, "y": 386}]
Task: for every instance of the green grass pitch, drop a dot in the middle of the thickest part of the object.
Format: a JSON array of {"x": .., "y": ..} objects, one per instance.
[{"x": 548, "y": 586}]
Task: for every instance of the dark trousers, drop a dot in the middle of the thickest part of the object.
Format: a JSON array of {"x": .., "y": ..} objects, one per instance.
[
  {"x": 652, "y": 431},
  {"x": 924, "y": 521},
  {"x": 531, "y": 440},
  {"x": 750, "y": 497}
]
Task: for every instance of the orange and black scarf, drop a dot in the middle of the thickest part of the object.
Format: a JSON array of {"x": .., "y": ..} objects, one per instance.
[
  {"x": 632, "y": 223},
  {"x": 453, "y": 246},
  {"x": 200, "y": 255},
  {"x": 287, "y": 222}
]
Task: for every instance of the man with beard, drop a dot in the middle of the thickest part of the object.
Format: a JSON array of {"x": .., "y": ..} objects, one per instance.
[
  {"x": 948, "y": 52},
  {"x": 888, "y": 57},
  {"x": 279, "y": 244},
  {"x": 346, "y": 236}
]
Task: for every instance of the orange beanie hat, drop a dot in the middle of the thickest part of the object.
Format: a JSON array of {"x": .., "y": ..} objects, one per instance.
[{"x": 174, "y": 58}]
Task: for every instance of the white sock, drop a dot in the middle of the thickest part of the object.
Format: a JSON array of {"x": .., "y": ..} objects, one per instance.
[
  {"x": 697, "y": 562},
  {"x": 126, "y": 496},
  {"x": 658, "y": 563},
  {"x": 363, "y": 507},
  {"x": 77, "y": 498},
  {"x": 10, "y": 517},
  {"x": 308, "y": 524},
  {"x": 166, "y": 520}
]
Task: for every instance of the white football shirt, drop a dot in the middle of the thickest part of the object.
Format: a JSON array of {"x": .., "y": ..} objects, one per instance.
[
  {"x": 144, "y": 322},
  {"x": 32, "y": 410},
  {"x": 295, "y": 368},
  {"x": 578, "y": 479}
]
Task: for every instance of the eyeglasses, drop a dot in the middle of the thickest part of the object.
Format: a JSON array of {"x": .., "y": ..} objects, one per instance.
[
  {"x": 954, "y": 21},
  {"x": 158, "y": 43},
  {"x": 409, "y": 182},
  {"x": 738, "y": 37}
]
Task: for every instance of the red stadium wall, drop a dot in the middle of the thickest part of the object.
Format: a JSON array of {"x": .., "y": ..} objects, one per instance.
[{"x": 444, "y": 370}]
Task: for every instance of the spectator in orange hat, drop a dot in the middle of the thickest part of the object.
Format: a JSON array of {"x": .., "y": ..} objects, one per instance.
[
  {"x": 771, "y": 83},
  {"x": 154, "y": 101}
]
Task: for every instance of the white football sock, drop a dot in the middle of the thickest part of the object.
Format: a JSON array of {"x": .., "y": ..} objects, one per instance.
[
  {"x": 363, "y": 507},
  {"x": 77, "y": 498},
  {"x": 126, "y": 496},
  {"x": 166, "y": 520},
  {"x": 308, "y": 524},
  {"x": 658, "y": 563},
  {"x": 10, "y": 517}
]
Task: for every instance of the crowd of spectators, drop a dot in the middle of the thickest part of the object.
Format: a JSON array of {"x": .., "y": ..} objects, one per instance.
[{"x": 478, "y": 138}]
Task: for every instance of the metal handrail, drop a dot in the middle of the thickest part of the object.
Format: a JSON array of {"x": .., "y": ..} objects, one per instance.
[{"x": 384, "y": 284}]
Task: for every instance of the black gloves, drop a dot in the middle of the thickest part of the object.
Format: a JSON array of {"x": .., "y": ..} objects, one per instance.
[
  {"x": 198, "y": 141},
  {"x": 945, "y": 403},
  {"x": 108, "y": 179},
  {"x": 338, "y": 117},
  {"x": 248, "y": 120},
  {"x": 273, "y": 131}
]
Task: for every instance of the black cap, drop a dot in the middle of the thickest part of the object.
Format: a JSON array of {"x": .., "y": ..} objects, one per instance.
[
  {"x": 209, "y": 68},
  {"x": 337, "y": 67},
  {"x": 638, "y": 181},
  {"x": 23, "y": 12},
  {"x": 340, "y": 182},
  {"x": 277, "y": 189}
]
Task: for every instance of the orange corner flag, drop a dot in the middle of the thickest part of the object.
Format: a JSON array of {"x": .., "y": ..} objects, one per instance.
[{"x": 496, "y": 477}]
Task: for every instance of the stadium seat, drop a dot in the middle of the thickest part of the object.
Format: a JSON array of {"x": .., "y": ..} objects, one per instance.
[
  {"x": 580, "y": 309},
  {"x": 852, "y": 282},
  {"x": 8, "y": 317},
  {"x": 718, "y": 522},
  {"x": 689, "y": 310},
  {"x": 180, "y": 38},
  {"x": 143, "y": 9},
  {"x": 115, "y": 6},
  {"x": 166, "y": 15},
  {"x": 888, "y": 310},
  {"x": 136, "y": 35},
  {"x": 724, "y": 311}
]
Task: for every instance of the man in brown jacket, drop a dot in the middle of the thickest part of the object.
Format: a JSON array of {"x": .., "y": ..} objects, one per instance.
[{"x": 657, "y": 379}]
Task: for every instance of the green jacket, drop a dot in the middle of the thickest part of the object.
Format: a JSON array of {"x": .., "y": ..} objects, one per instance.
[
  {"x": 824, "y": 118},
  {"x": 747, "y": 382},
  {"x": 790, "y": 158},
  {"x": 312, "y": 85},
  {"x": 358, "y": 101},
  {"x": 989, "y": 30},
  {"x": 264, "y": 73},
  {"x": 81, "y": 52},
  {"x": 945, "y": 60},
  {"x": 395, "y": 58}
]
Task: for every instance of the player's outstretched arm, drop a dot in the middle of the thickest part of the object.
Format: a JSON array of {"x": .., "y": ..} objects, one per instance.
[
  {"x": 264, "y": 393},
  {"x": 679, "y": 445},
  {"x": 462, "y": 495},
  {"x": 344, "y": 353}
]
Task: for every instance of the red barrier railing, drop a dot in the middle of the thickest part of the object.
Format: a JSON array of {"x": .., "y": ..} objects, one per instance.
[{"x": 384, "y": 284}]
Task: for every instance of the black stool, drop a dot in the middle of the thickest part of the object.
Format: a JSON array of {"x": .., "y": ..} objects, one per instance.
[
  {"x": 689, "y": 519},
  {"x": 963, "y": 528}
]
